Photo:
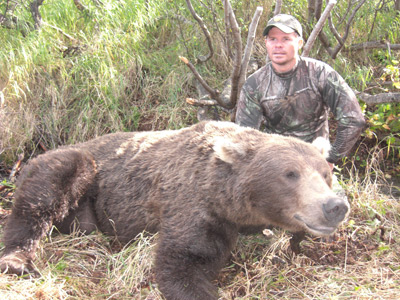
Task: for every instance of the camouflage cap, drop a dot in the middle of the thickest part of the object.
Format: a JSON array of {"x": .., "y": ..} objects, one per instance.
[{"x": 286, "y": 23}]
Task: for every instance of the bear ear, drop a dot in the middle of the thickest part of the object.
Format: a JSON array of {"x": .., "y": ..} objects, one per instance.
[
  {"x": 228, "y": 151},
  {"x": 323, "y": 146}
]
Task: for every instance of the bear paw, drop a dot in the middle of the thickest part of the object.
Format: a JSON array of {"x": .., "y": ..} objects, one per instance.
[{"x": 17, "y": 263}]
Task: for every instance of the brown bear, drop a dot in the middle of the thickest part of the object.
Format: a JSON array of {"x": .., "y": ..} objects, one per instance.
[{"x": 196, "y": 186}]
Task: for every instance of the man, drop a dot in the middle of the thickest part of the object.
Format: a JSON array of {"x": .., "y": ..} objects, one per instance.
[{"x": 292, "y": 95}]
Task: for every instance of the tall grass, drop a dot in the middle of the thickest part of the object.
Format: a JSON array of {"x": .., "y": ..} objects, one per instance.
[{"x": 84, "y": 74}]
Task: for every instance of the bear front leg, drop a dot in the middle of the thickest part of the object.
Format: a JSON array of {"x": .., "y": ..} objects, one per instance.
[
  {"x": 48, "y": 188},
  {"x": 187, "y": 262}
]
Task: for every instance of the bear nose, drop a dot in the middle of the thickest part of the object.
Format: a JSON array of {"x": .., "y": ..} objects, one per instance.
[{"x": 335, "y": 210}]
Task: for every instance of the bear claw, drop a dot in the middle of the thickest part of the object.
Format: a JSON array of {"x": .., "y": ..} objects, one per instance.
[{"x": 17, "y": 263}]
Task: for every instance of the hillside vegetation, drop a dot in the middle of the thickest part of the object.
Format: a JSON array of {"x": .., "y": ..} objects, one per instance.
[{"x": 114, "y": 66}]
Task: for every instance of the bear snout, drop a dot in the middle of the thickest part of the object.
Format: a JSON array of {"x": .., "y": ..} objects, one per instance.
[{"x": 335, "y": 210}]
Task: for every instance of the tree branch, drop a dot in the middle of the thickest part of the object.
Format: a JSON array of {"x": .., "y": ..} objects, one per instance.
[
  {"x": 249, "y": 46},
  {"x": 59, "y": 30},
  {"x": 311, "y": 11},
  {"x": 318, "y": 27},
  {"x": 205, "y": 31},
  {"x": 228, "y": 40},
  {"x": 343, "y": 39},
  {"x": 318, "y": 9},
  {"x": 201, "y": 102},
  {"x": 214, "y": 94},
  {"x": 372, "y": 45},
  {"x": 37, "y": 17},
  {"x": 278, "y": 7},
  {"x": 80, "y": 6},
  {"x": 379, "y": 98},
  {"x": 237, "y": 43}
]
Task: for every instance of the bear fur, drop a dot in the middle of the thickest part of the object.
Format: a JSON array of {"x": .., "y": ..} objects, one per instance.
[{"x": 196, "y": 186}]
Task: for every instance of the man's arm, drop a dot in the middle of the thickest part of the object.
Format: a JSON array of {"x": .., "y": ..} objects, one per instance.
[
  {"x": 344, "y": 105},
  {"x": 249, "y": 111}
]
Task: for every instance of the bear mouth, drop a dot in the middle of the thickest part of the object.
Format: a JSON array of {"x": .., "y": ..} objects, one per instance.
[{"x": 316, "y": 229}]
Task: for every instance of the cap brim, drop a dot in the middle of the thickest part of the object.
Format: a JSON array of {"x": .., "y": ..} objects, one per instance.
[{"x": 284, "y": 28}]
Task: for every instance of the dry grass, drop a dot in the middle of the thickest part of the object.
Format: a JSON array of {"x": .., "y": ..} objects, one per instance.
[
  {"x": 87, "y": 267},
  {"x": 361, "y": 263}
]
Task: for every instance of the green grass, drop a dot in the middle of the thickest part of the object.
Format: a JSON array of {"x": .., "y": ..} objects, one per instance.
[{"x": 86, "y": 74}]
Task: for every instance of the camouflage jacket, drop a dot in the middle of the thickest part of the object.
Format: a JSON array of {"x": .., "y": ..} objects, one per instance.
[{"x": 297, "y": 104}]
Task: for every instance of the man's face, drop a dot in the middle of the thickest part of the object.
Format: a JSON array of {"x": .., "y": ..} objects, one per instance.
[{"x": 283, "y": 49}]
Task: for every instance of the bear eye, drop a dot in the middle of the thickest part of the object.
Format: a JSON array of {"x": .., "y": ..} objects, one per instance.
[{"x": 292, "y": 175}]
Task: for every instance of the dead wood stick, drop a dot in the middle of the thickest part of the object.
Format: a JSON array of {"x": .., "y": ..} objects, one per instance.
[
  {"x": 249, "y": 46},
  {"x": 205, "y": 31},
  {"x": 318, "y": 27},
  {"x": 201, "y": 102},
  {"x": 213, "y": 93},
  {"x": 16, "y": 168}
]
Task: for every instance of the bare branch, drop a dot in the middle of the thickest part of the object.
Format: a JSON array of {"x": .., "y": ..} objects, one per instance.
[
  {"x": 204, "y": 102},
  {"x": 37, "y": 17},
  {"x": 382, "y": 2},
  {"x": 228, "y": 40},
  {"x": 344, "y": 17},
  {"x": 249, "y": 46},
  {"x": 205, "y": 31},
  {"x": 380, "y": 98},
  {"x": 334, "y": 31},
  {"x": 228, "y": 97},
  {"x": 278, "y": 7},
  {"x": 340, "y": 39},
  {"x": 2, "y": 101},
  {"x": 311, "y": 11},
  {"x": 350, "y": 21},
  {"x": 372, "y": 45},
  {"x": 215, "y": 25},
  {"x": 10, "y": 21},
  {"x": 318, "y": 9},
  {"x": 237, "y": 42},
  {"x": 213, "y": 93},
  {"x": 318, "y": 27},
  {"x": 2, "y": 18},
  {"x": 97, "y": 2},
  {"x": 59, "y": 30},
  {"x": 325, "y": 42},
  {"x": 80, "y": 6}
]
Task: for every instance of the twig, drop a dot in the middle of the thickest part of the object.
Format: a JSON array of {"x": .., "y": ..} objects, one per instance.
[
  {"x": 37, "y": 17},
  {"x": 278, "y": 7},
  {"x": 60, "y": 30},
  {"x": 213, "y": 93},
  {"x": 341, "y": 40},
  {"x": 318, "y": 27},
  {"x": 228, "y": 41},
  {"x": 2, "y": 101},
  {"x": 372, "y": 45},
  {"x": 379, "y": 98},
  {"x": 200, "y": 102},
  {"x": 16, "y": 168},
  {"x": 249, "y": 46},
  {"x": 382, "y": 2},
  {"x": 80, "y": 6},
  {"x": 382, "y": 234},
  {"x": 205, "y": 31},
  {"x": 237, "y": 42}
]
